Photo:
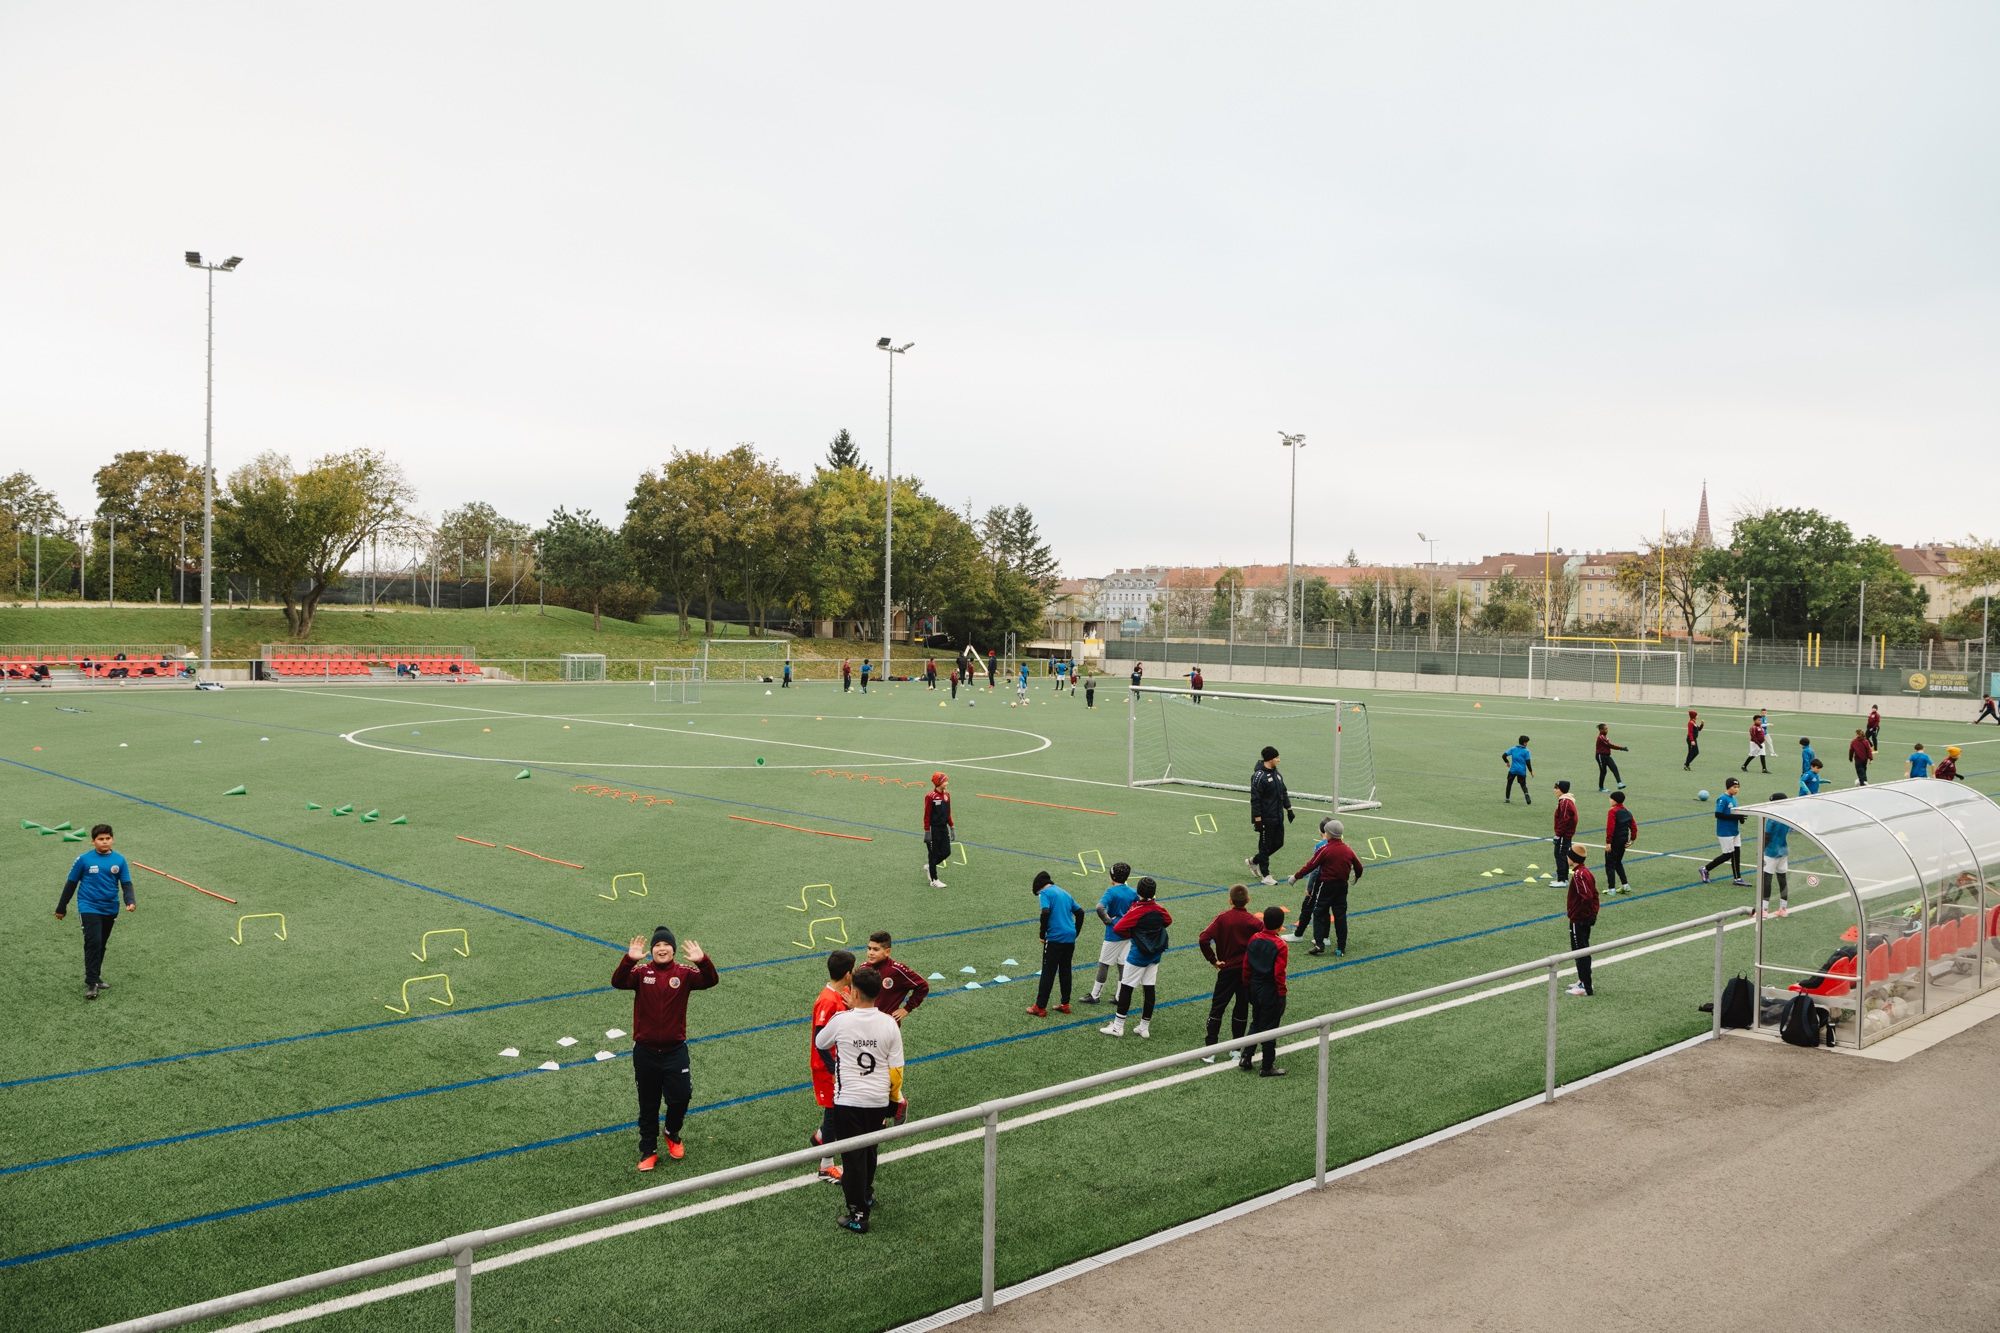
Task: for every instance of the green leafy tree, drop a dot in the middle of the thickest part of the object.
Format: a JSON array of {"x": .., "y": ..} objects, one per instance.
[
  {"x": 297, "y": 530},
  {"x": 468, "y": 535},
  {"x": 586, "y": 559},
  {"x": 1806, "y": 571},
  {"x": 27, "y": 509},
  {"x": 154, "y": 499},
  {"x": 1673, "y": 569},
  {"x": 1508, "y": 608},
  {"x": 1227, "y": 593}
]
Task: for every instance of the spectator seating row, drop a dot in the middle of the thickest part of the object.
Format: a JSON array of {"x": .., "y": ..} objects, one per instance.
[
  {"x": 364, "y": 664},
  {"x": 114, "y": 668}
]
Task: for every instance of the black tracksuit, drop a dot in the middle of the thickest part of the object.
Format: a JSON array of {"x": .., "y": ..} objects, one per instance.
[{"x": 1270, "y": 807}]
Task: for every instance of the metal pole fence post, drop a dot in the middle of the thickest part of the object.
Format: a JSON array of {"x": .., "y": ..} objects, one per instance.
[
  {"x": 1319, "y": 1143},
  {"x": 1131, "y": 734},
  {"x": 462, "y": 1314},
  {"x": 1715, "y": 1009},
  {"x": 989, "y": 1224},
  {"x": 1549, "y": 1069},
  {"x": 1860, "y": 640}
]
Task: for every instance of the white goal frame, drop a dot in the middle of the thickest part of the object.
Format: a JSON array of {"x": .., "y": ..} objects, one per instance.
[
  {"x": 683, "y": 684},
  {"x": 1607, "y": 667},
  {"x": 1332, "y": 798}
]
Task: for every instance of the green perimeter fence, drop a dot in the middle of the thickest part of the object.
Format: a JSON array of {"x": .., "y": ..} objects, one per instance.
[
  {"x": 461, "y": 1250},
  {"x": 1948, "y": 669}
]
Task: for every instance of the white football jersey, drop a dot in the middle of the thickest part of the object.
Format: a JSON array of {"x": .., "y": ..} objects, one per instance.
[{"x": 868, "y": 1044}]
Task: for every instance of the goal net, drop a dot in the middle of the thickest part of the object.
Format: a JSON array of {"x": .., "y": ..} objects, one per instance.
[
  {"x": 1326, "y": 752},
  {"x": 677, "y": 685},
  {"x": 1635, "y": 675}
]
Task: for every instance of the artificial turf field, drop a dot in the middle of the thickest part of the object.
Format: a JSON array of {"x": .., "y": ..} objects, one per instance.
[{"x": 232, "y": 1114}]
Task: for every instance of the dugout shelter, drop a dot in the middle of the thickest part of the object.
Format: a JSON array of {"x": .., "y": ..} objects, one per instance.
[{"x": 1895, "y": 904}]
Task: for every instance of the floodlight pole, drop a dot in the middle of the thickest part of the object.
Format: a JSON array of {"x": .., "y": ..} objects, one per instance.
[
  {"x": 889, "y": 502},
  {"x": 1294, "y": 443},
  {"x": 208, "y": 460},
  {"x": 1433, "y": 543},
  {"x": 1860, "y": 640}
]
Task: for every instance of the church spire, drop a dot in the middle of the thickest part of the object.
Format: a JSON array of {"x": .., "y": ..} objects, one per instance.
[{"x": 1702, "y": 535}]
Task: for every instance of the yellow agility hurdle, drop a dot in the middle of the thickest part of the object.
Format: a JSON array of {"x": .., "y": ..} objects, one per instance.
[
  {"x": 640, "y": 892},
  {"x": 1198, "y": 829},
  {"x": 1086, "y": 865},
  {"x": 448, "y": 1001},
  {"x": 424, "y": 945},
  {"x": 813, "y": 940},
  {"x": 1381, "y": 855},
  {"x": 806, "y": 904},
  {"x": 259, "y": 916}
]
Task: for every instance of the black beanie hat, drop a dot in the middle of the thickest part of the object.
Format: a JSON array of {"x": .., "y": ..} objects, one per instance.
[{"x": 662, "y": 933}]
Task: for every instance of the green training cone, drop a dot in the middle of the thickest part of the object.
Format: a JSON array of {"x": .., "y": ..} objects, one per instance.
[
  {"x": 29, "y": 823},
  {"x": 369, "y": 819},
  {"x": 238, "y": 790},
  {"x": 343, "y": 810},
  {"x": 74, "y": 837},
  {"x": 312, "y": 805},
  {"x": 45, "y": 830},
  {"x": 522, "y": 774},
  {"x": 63, "y": 827},
  {"x": 400, "y": 819}
]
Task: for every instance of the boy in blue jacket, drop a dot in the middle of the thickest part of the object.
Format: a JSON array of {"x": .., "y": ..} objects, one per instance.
[
  {"x": 1520, "y": 767},
  {"x": 96, "y": 880}
]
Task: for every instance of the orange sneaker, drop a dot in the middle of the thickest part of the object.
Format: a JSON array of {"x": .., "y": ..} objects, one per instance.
[
  {"x": 649, "y": 1161},
  {"x": 1062, "y": 1008},
  {"x": 674, "y": 1149},
  {"x": 1036, "y": 1011}
]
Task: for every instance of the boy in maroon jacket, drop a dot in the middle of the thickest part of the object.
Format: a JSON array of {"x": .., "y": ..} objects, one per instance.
[
  {"x": 1335, "y": 862},
  {"x": 1222, "y": 944},
  {"x": 1565, "y": 831},
  {"x": 1860, "y": 751},
  {"x": 1582, "y": 910},
  {"x": 903, "y": 988},
  {"x": 1621, "y": 830},
  {"x": 1264, "y": 977},
  {"x": 660, "y": 988}
]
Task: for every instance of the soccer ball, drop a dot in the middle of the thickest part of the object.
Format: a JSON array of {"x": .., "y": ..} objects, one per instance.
[
  {"x": 1701, "y": 795},
  {"x": 1557, "y": 699}
]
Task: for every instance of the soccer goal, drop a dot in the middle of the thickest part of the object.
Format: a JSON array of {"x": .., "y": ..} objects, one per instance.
[
  {"x": 676, "y": 685},
  {"x": 1326, "y": 752},
  {"x": 1641, "y": 675}
]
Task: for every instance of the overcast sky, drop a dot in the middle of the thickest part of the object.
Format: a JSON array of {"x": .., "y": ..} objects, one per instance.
[{"x": 1492, "y": 260}]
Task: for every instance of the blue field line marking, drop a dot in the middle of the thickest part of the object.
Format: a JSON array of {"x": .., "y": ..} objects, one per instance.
[
  {"x": 350, "y": 1186},
  {"x": 322, "y": 856},
  {"x": 303, "y": 1036}
]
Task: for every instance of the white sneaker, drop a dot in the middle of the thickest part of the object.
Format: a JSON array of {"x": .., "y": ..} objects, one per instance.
[
  {"x": 1269, "y": 880},
  {"x": 1208, "y": 1059},
  {"x": 1116, "y": 1028},
  {"x": 1578, "y": 990},
  {"x": 1145, "y": 1028},
  {"x": 939, "y": 884},
  {"x": 1558, "y": 883},
  {"x": 1249, "y": 860}
]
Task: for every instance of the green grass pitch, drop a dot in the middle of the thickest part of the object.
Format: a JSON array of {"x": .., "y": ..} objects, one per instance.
[{"x": 232, "y": 1114}]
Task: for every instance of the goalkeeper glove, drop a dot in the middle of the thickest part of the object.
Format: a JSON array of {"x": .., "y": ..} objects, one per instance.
[{"x": 902, "y": 1110}]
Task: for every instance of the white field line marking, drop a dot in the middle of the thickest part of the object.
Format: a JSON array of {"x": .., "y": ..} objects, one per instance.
[{"x": 1222, "y": 1065}]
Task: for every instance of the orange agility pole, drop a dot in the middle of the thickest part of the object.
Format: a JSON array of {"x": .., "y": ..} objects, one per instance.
[
  {"x": 178, "y": 880},
  {"x": 462, "y": 838},
  {"x": 853, "y": 837},
  {"x": 1050, "y": 804},
  {"x": 539, "y": 857}
]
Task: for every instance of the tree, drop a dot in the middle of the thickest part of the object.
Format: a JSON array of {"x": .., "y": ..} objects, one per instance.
[
  {"x": 1013, "y": 541},
  {"x": 1226, "y": 596},
  {"x": 843, "y": 452},
  {"x": 297, "y": 530},
  {"x": 1673, "y": 571},
  {"x": 1508, "y": 608},
  {"x": 469, "y": 533},
  {"x": 585, "y": 558},
  {"x": 1806, "y": 570},
  {"x": 1353, "y": 561},
  {"x": 772, "y": 527},
  {"x": 154, "y": 497},
  {"x": 27, "y": 509}
]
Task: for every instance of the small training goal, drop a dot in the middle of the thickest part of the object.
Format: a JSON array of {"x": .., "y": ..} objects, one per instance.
[
  {"x": 677, "y": 685},
  {"x": 1631, "y": 675},
  {"x": 1174, "y": 736}
]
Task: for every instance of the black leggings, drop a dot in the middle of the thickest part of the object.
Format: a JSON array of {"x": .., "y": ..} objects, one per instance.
[
  {"x": 1694, "y": 751},
  {"x": 1605, "y": 761},
  {"x": 1735, "y": 858},
  {"x": 1057, "y": 960},
  {"x": 1146, "y": 1001},
  {"x": 1579, "y": 938},
  {"x": 1614, "y": 866},
  {"x": 1229, "y": 988},
  {"x": 1330, "y": 901},
  {"x": 661, "y": 1073},
  {"x": 1267, "y": 1011},
  {"x": 1861, "y": 771},
  {"x": 857, "y": 1165},
  {"x": 1521, "y": 778}
]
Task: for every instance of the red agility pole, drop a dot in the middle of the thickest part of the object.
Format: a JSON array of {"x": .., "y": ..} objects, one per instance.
[
  {"x": 178, "y": 880},
  {"x": 539, "y": 857},
  {"x": 852, "y": 837},
  {"x": 1050, "y": 804}
]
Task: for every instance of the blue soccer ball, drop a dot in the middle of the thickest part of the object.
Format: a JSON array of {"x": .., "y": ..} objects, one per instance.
[{"x": 1701, "y": 796}]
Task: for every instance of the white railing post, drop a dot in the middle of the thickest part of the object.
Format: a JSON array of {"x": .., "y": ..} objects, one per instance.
[
  {"x": 1715, "y": 1005},
  {"x": 1319, "y": 1144},
  {"x": 989, "y": 1222},
  {"x": 462, "y": 1305},
  {"x": 1549, "y": 1067}
]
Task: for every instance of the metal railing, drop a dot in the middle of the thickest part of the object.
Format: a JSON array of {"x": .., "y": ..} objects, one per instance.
[{"x": 460, "y": 1249}]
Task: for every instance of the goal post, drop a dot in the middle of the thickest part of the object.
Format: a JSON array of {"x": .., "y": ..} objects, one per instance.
[
  {"x": 676, "y": 685},
  {"x": 1174, "y": 736},
  {"x": 1642, "y": 675}
]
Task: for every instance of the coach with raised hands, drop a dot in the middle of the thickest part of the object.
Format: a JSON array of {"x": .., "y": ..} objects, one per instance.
[{"x": 660, "y": 988}]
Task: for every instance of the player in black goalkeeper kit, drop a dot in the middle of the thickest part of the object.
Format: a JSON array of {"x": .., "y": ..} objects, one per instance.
[{"x": 1270, "y": 808}]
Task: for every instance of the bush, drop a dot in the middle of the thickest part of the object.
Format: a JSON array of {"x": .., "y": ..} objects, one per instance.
[{"x": 624, "y": 601}]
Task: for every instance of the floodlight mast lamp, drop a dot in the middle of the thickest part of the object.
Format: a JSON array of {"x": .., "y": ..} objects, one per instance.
[
  {"x": 889, "y": 500},
  {"x": 1295, "y": 443},
  {"x": 208, "y": 459},
  {"x": 1432, "y": 542}
]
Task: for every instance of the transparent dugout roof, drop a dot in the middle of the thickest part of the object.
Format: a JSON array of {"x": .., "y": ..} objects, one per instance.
[{"x": 1896, "y": 838}]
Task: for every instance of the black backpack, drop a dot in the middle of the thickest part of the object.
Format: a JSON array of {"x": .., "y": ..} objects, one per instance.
[
  {"x": 1805, "y": 1023},
  {"x": 1736, "y": 1001}
]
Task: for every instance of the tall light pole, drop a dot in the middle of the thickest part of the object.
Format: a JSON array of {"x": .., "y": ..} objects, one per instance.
[
  {"x": 889, "y": 501},
  {"x": 1433, "y": 543},
  {"x": 208, "y": 457},
  {"x": 1294, "y": 443}
]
